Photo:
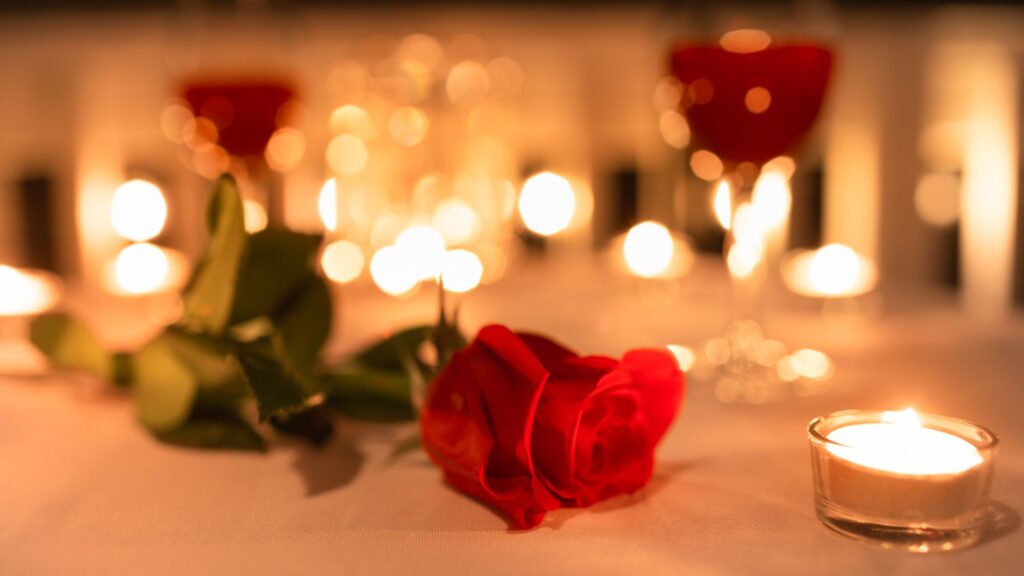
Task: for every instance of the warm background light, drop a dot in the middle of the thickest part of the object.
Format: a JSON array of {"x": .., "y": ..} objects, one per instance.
[
  {"x": 327, "y": 204},
  {"x": 342, "y": 261},
  {"x": 772, "y": 200},
  {"x": 139, "y": 210},
  {"x": 144, "y": 268},
  {"x": 547, "y": 203},
  {"x": 745, "y": 40},
  {"x": 648, "y": 249},
  {"x": 26, "y": 292},
  {"x": 834, "y": 270},
  {"x": 461, "y": 271},
  {"x": 347, "y": 154},
  {"x": 456, "y": 220},
  {"x": 392, "y": 272},
  {"x": 408, "y": 126},
  {"x": 255, "y": 216},
  {"x": 721, "y": 204},
  {"x": 423, "y": 249}
]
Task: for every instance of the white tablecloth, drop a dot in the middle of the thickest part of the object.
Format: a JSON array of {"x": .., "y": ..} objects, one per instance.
[{"x": 84, "y": 490}]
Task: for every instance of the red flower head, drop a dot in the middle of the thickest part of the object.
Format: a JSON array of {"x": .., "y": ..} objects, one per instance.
[{"x": 527, "y": 426}]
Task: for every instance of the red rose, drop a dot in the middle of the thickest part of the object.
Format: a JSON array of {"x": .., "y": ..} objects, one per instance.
[{"x": 527, "y": 426}]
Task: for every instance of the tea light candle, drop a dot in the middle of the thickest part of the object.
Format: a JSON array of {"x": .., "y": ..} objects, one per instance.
[{"x": 901, "y": 478}]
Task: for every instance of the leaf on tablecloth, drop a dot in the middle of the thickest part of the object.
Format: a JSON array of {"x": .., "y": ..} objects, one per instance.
[
  {"x": 223, "y": 433},
  {"x": 369, "y": 394},
  {"x": 165, "y": 388},
  {"x": 278, "y": 387},
  {"x": 71, "y": 345},
  {"x": 391, "y": 353},
  {"x": 209, "y": 297},
  {"x": 315, "y": 424}
]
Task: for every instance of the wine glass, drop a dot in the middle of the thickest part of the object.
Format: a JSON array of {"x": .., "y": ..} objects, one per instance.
[{"x": 753, "y": 79}]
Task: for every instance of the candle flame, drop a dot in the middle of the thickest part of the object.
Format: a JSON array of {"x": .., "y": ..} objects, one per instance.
[{"x": 905, "y": 417}]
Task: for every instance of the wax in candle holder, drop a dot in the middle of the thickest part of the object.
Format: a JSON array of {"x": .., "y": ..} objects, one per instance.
[{"x": 902, "y": 480}]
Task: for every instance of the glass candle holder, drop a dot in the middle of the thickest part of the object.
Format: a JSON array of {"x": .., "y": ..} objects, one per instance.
[{"x": 902, "y": 480}]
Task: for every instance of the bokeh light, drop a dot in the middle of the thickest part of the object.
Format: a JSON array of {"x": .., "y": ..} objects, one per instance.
[
  {"x": 674, "y": 129},
  {"x": 772, "y": 199},
  {"x": 285, "y": 149},
  {"x": 684, "y": 356},
  {"x": 392, "y": 272},
  {"x": 506, "y": 77},
  {"x": 255, "y": 216},
  {"x": 327, "y": 204},
  {"x": 408, "y": 125},
  {"x": 26, "y": 292},
  {"x": 354, "y": 120},
  {"x": 461, "y": 271},
  {"x": 139, "y": 210},
  {"x": 832, "y": 271},
  {"x": 547, "y": 203},
  {"x": 721, "y": 204},
  {"x": 648, "y": 249},
  {"x": 468, "y": 83},
  {"x": 457, "y": 221},
  {"x": 342, "y": 261},
  {"x": 812, "y": 364},
  {"x": 744, "y": 256},
  {"x": 757, "y": 100},
  {"x": 173, "y": 119},
  {"x": 706, "y": 165},
  {"x": 668, "y": 94},
  {"x": 141, "y": 269},
  {"x": 347, "y": 154},
  {"x": 745, "y": 40},
  {"x": 424, "y": 249}
]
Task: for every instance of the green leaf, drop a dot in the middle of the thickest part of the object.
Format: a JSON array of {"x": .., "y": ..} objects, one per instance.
[
  {"x": 279, "y": 263},
  {"x": 370, "y": 394},
  {"x": 211, "y": 359},
  {"x": 221, "y": 434},
  {"x": 165, "y": 388},
  {"x": 209, "y": 296},
  {"x": 273, "y": 379},
  {"x": 393, "y": 352},
  {"x": 305, "y": 324},
  {"x": 315, "y": 424},
  {"x": 71, "y": 345}
]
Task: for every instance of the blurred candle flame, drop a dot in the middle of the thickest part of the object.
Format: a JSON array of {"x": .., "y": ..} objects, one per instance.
[
  {"x": 721, "y": 204},
  {"x": 648, "y": 249},
  {"x": 547, "y": 203},
  {"x": 832, "y": 271},
  {"x": 138, "y": 210},
  {"x": 27, "y": 292}
]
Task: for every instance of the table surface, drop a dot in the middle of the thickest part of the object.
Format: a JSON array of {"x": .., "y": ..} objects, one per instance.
[{"x": 84, "y": 489}]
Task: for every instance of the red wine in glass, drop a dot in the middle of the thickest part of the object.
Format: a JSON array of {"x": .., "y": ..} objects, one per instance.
[{"x": 751, "y": 106}]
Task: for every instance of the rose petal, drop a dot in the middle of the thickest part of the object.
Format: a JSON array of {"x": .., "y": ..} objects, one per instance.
[
  {"x": 547, "y": 351},
  {"x": 557, "y": 421},
  {"x": 478, "y": 420},
  {"x": 657, "y": 377}
]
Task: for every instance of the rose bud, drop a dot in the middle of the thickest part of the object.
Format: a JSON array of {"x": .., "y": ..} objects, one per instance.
[{"x": 525, "y": 425}]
